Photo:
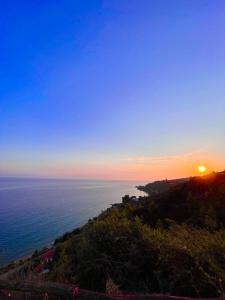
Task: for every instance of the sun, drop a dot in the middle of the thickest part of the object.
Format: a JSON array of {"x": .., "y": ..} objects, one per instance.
[{"x": 202, "y": 169}]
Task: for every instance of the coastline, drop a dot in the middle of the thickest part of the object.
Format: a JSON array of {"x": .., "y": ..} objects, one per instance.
[
  {"x": 45, "y": 211},
  {"x": 23, "y": 259}
]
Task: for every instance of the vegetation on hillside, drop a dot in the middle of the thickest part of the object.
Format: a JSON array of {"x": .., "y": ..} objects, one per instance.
[{"x": 171, "y": 242}]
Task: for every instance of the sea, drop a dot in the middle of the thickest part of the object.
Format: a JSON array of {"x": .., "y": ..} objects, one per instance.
[{"x": 33, "y": 212}]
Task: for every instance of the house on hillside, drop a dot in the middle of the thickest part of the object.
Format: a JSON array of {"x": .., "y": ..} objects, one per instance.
[
  {"x": 44, "y": 260},
  {"x": 48, "y": 256}
]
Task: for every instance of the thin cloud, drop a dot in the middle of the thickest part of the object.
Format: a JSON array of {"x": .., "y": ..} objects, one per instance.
[{"x": 153, "y": 160}]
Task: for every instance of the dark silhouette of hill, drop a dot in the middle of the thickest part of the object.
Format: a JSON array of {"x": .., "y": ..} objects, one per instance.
[
  {"x": 161, "y": 186},
  {"x": 172, "y": 242},
  {"x": 197, "y": 201}
]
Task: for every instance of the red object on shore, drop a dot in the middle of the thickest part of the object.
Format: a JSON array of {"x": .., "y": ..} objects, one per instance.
[{"x": 48, "y": 255}]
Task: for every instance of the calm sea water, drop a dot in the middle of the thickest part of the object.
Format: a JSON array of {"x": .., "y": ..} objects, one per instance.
[{"x": 33, "y": 212}]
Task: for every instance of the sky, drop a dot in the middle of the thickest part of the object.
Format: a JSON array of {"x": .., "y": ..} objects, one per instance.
[{"x": 112, "y": 89}]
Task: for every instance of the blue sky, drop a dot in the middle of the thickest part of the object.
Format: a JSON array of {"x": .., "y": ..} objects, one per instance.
[{"x": 90, "y": 88}]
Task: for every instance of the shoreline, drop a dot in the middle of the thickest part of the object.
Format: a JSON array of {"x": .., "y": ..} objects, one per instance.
[
  {"x": 49, "y": 244},
  {"x": 25, "y": 256},
  {"x": 21, "y": 260},
  {"x": 83, "y": 206}
]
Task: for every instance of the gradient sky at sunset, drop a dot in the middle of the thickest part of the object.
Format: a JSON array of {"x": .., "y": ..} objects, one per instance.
[{"x": 114, "y": 89}]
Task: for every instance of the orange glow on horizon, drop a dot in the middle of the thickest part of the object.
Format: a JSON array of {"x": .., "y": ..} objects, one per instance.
[{"x": 137, "y": 168}]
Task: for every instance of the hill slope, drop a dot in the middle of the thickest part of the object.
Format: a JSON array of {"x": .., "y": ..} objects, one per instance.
[{"x": 171, "y": 242}]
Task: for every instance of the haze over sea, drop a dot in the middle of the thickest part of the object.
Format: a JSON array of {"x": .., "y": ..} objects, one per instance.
[{"x": 33, "y": 212}]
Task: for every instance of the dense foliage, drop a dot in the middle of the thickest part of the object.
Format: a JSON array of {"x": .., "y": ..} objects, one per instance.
[{"x": 172, "y": 242}]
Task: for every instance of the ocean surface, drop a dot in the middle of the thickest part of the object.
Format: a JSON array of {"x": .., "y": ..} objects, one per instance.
[{"x": 33, "y": 212}]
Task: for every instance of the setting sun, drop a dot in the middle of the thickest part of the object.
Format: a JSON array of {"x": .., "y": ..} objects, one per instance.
[{"x": 202, "y": 169}]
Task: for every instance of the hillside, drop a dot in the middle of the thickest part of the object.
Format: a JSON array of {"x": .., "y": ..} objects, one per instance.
[
  {"x": 171, "y": 242},
  {"x": 160, "y": 186}
]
